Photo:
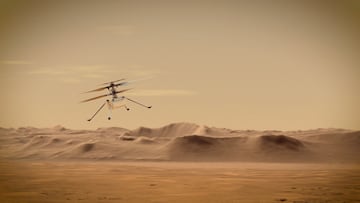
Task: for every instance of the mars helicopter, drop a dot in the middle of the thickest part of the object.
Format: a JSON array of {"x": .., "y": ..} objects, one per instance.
[{"x": 113, "y": 92}]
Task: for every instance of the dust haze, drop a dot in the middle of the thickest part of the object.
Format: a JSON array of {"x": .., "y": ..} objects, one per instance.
[{"x": 252, "y": 101}]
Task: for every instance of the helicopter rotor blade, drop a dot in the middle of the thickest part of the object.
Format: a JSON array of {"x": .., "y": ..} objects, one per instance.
[
  {"x": 120, "y": 91},
  {"x": 98, "y": 89},
  {"x": 112, "y": 81},
  {"x": 121, "y": 84},
  {"x": 98, "y": 97},
  {"x": 108, "y": 86},
  {"x": 130, "y": 82},
  {"x": 101, "y": 96}
]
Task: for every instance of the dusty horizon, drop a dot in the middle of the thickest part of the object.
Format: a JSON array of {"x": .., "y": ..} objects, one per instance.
[
  {"x": 237, "y": 65},
  {"x": 168, "y": 124}
]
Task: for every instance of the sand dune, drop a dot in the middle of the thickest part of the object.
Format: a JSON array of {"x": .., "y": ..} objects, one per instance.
[
  {"x": 181, "y": 162},
  {"x": 280, "y": 142},
  {"x": 181, "y": 142},
  {"x": 172, "y": 130}
]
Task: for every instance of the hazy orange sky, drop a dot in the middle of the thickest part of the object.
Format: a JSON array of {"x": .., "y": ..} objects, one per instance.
[{"x": 238, "y": 65}]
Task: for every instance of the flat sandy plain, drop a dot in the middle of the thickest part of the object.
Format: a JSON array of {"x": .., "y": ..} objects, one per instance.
[
  {"x": 103, "y": 181},
  {"x": 180, "y": 162}
]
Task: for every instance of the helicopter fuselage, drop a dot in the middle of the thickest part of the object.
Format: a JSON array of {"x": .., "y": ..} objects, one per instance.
[
  {"x": 117, "y": 99},
  {"x": 114, "y": 95},
  {"x": 111, "y": 87}
]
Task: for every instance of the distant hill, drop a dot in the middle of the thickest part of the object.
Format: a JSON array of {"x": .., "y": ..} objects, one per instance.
[{"x": 181, "y": 142}]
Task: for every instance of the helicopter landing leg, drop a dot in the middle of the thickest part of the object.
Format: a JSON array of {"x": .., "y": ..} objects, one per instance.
[
  {"x": 149, "y": 107},
  {"x": 110, "y": 107},
  {"x": 117, "y": 107},
  {"x": 96, "y": 112},
  {"x": 109, "y": 117},
  {"x": 127, "y": 108}
]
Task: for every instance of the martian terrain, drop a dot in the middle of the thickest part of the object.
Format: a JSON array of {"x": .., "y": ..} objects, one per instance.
[{"x": 180, "y": 162}]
